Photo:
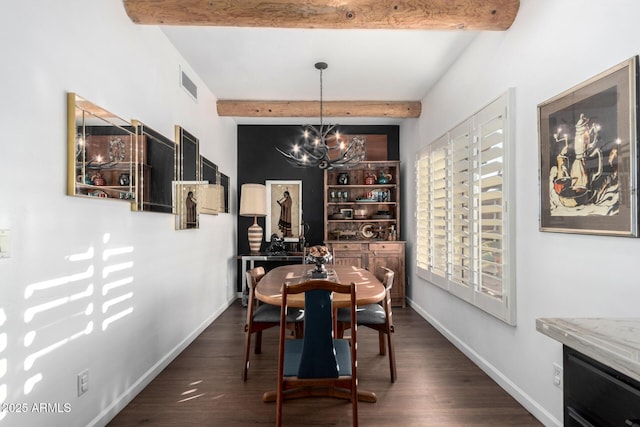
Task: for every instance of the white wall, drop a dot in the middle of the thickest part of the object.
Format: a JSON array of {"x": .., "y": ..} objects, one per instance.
[
  {"x": 180, "y": 280},
  {"x": 552, "y": 46}
]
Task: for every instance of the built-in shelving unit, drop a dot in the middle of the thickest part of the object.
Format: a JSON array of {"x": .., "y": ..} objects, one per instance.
[{"x": 362, "y": 219}]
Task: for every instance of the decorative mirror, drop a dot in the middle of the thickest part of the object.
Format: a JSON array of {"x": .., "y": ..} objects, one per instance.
[
  {"x": 224, "y": 203},
  {"x": 208, "y": 170},
  {"x": 186, "y": 188},
  {"x": 156, "y": 176},
  {"x": 103, "y": 159},
  {"x": 210, "y": 190}
]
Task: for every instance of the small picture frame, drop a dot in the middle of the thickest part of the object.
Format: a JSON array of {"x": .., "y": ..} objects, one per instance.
[{"x": 348, "y": 213}]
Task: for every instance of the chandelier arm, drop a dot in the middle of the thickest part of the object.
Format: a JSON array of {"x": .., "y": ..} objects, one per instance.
[
  {"x": 287, "y": 155},
  {"x": 326, "y": 132},
  {"x": 299, "y": 158},
  {"x": 349, "y": 156},
  {"x": 313, "y": 156}
]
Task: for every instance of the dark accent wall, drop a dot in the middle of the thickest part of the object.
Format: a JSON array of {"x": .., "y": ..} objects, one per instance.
[{"x": 258, "y": 161}]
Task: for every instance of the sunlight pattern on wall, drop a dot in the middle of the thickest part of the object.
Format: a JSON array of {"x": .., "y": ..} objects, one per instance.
[
  {"x": 63, "y": 309},
  {"x": 47, "y": 319},
  {"x": 117, "y": 283}
]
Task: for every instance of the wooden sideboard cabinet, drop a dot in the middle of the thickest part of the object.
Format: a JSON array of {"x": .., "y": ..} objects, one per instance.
[{"x": 371, "y": 255}]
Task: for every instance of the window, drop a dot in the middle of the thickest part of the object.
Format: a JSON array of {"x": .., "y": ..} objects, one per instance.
[{"x": 464, "y": 224}]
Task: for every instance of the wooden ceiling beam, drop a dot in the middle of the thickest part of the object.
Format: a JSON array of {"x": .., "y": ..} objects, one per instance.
[
  {"x": 391, "y": 109},
  {"x": 472, "y": 15}
]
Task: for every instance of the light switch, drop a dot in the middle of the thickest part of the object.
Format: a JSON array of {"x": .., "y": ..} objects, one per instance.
[{"x": 5, "y": 243}]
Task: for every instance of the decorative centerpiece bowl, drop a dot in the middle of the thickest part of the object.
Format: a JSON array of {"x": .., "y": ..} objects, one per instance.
[{"x": 319, "y": 255}]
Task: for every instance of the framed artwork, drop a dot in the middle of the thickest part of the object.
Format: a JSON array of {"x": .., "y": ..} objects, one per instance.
[
  {"x": 223, "y": 181},
  {"x": 284, "y": 210},
  {"x": 588, "y": 156},
  {"x": 186, "y": 187},
  {"x": 210, "y": 194},
  {"x": 186, "y": 195},
  {"x": 159, "y": 171}
]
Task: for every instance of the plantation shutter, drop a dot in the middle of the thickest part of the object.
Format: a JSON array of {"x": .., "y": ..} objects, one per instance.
[
  {"x": 465, "y": 233},
  {"x": 462, "y": 220},
  {"x": 439, "y": 209}
]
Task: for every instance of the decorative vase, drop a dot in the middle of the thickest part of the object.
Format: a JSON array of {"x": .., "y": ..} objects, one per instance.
[
  {"x": 255, "y": 236},
  {"x": 98, "y": 179},
  {"x": 324, "y": 257},
  {"x": 384, "y": 178},
  {"x": 370, "y": 179}
]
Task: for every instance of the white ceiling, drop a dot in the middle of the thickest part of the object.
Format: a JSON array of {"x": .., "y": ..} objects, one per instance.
[{"x": 278, "y": 64}]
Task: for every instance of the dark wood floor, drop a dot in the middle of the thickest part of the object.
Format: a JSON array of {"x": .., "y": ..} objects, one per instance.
[{"x": 437, "y": 385}]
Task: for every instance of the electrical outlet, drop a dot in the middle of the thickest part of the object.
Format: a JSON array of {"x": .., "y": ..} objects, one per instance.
[
  {"x": 83, "y": 382},
  {"x": 557, "y": 375}
]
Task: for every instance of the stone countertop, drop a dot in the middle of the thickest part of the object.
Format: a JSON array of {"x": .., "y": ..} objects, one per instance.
[{"x": 613, "y": 342}]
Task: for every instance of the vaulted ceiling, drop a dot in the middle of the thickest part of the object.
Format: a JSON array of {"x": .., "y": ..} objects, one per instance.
[{"x": 383, "y": 55}]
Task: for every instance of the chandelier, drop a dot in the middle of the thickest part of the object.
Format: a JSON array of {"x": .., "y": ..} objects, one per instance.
[{"x": 323, "y": 147}]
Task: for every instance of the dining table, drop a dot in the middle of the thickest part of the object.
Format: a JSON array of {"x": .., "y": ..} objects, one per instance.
[{"x": 369, "y": 290}]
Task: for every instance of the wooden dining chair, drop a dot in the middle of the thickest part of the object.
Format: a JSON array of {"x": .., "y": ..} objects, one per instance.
[
  {"x": 375, "y": 316},
  {"x": 317, "y": 362},
  {"x": 261, "y": 316}
]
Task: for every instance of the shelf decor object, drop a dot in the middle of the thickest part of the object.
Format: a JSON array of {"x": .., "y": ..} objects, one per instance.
[
  {"x": 253, "y": 202},
  {"x": 322, "y": 147},
  {"x": 319, "y": 255},
  {"x": 588, "y": 156}
]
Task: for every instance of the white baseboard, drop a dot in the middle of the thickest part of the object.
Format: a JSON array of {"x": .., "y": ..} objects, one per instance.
[
  {"x": 516, "y": 392},
  {"x": 125, "y": 398}
]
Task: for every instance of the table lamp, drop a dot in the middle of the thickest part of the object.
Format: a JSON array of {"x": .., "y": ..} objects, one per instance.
[{"x": 253, "y": 202}]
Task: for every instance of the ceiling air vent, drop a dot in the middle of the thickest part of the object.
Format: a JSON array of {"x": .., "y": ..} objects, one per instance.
[{"x": 188, "y": 85}]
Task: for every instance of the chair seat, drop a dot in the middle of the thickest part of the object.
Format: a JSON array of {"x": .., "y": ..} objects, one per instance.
[
  {"x": 293, "y": 353},
  {"x": 267, "y": 313},
  {"x": 372, "y": 314}
]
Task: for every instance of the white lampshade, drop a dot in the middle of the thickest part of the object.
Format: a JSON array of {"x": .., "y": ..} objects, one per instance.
[{"x": 253, "y": 200}]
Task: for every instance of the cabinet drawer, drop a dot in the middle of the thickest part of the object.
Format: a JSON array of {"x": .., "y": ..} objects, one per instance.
[
  {"x": 385, "y": 247},
  {"x": 347, "y": 247},
  {"x": 596, "y": 394}
]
